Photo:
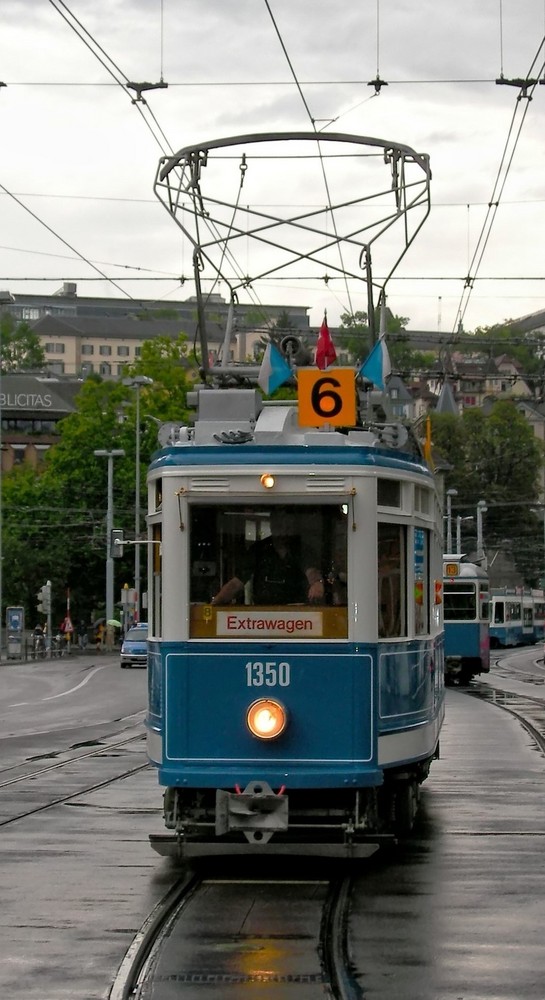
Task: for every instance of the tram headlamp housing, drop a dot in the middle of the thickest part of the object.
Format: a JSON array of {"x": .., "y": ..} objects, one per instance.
[
  {"x": 266, "y": 718},
  {"x": 267, "y": 481}
]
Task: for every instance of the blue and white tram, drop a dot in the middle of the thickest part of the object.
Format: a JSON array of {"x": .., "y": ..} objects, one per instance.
[
  {"x": 517, "y": 617},
  {"x": 291, "y": 721},
  {"x": 466, "y": 602},
  {"x": 506, "y": 617},
  {"x": 538, "y": 598}
]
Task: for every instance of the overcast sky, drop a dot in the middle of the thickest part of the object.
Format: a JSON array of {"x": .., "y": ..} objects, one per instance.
[{"x": 81, "y": 158}]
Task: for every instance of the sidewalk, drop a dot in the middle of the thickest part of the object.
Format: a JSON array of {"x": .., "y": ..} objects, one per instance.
[{"x": 68, "y": 653}]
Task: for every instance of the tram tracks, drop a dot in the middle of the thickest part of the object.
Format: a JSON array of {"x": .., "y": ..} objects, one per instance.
[
  {"x": 528, "y": 709},
  {"x": 41, "y": 784},
  {"x": 290, "y": 934}
]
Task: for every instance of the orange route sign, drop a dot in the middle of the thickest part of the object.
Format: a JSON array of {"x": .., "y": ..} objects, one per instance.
[
  {"x": 326, "y": 397},
  {"x": 451, "y": 569}
]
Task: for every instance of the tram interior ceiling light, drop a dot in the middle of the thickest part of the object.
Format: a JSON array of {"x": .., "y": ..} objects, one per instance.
[
  {"x": 266, "y": 719},
  {"x": 267, "y": 481}
]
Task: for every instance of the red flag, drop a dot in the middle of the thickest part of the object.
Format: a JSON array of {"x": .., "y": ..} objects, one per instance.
[{"x": 325, "y": 351}]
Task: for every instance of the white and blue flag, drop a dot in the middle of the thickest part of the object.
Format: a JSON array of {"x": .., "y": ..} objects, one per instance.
[
  {"x": 274, "y": 370},
  {"x": 377, "y": 366}
]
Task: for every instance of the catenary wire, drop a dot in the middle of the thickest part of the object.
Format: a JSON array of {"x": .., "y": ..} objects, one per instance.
[
  {"x": 499, "y": 185},
  {"x": 322, "y": 164},
  {"x": 284, "y": 83},
  {"x": 121, "y": 79}
]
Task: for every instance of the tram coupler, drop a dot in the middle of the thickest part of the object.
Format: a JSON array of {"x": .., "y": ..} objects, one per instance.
[{"x": 257, "y": 812}]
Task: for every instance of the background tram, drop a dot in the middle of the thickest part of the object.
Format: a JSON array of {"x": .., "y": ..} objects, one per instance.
[
  {"x": 517, "y": 617},
  {"x": 466, "y": 620}
]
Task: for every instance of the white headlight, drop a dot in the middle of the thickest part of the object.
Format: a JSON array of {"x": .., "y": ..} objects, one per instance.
[{"x": 266, "y": 718}]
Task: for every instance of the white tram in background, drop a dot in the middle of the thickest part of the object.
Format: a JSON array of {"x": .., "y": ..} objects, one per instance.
[{"x": 517, "y": 617}]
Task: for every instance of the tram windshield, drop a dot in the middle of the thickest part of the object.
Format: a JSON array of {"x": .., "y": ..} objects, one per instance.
[
  {"x": 269, "y": 556},
  {"x": 460, "y": 602}
]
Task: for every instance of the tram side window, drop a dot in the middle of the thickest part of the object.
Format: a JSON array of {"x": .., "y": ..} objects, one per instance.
[
  {"x": 275, "y": 552},
  {"x": 499, "y": 613},
  {"x": 392, "y": 574},
  {"x": 513, "y": 611},
  {"x": 156, "y": 610},
  {"x": 484, "y": 598},
  {"x": 539, "y": 611}
]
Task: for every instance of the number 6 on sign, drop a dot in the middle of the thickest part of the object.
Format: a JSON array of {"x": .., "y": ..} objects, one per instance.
[{"x": 326, "y": 397}]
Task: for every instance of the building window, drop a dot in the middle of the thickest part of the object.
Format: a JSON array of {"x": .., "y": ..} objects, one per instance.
[
  {"x": 123, "y": 351},
  {"x": 30, "y": 313},
  {"x": 56, "y": 367},
  {"x": 105, "y": 350},
  {"x": 28, "y": 425},
  {"x": 105, "y": 368},
  {"x": 87, "y": 349},
  {"x": 18, "y": 453},
  {"x": 40, "y": 451},
  {"x": 54, "y": 348},
  {"x": 121, "y": 369},
  {"x": 137, "y": 352}
]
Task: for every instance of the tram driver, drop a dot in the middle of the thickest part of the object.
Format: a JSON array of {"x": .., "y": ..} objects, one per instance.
[{"x": 275, "y": 567}]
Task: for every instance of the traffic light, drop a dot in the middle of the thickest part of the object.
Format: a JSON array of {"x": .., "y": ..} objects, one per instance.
[
  {"x": 116, "y": 542},
  {"x": 44, "y": 598}
]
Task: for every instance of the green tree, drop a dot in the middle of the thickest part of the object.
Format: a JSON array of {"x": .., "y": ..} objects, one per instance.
[
  {"x": 40, "y": 534},
  {"x": 354, "y": 335},
  {"x": 55, "y": 515},
  {"x": 495, "y": 458},
  {"x": 20, "y": 348},
  {"x": 355, "y": 338}
]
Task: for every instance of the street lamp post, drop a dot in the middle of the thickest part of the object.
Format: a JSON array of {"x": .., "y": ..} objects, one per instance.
[
  {"x": 110, "y": 455},
  {"x": 136, "y": 383},
  {"x": 450, "y": 494},
  {"x": 459, "y": 520},
  {"x": 481, "y": 509}
]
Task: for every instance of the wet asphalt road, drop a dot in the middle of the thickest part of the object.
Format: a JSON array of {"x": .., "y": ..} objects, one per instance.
[{"x": 459, "y": 914}]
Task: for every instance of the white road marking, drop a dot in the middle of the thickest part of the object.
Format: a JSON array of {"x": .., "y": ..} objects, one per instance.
[{"x": 52, "y": 697}]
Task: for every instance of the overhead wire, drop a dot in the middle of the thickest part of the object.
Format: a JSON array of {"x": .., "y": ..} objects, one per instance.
[
  {"x": 506, "y": 161},
  {"x": 111, "y": 67},
  {"x": 124, "y": 82},
  {"x": 62, "y": 240},
  {"x": 107, "y": 63},
  {"x": 322, "y": 164},
  {"x": 255, "y": 83},
  {"x": 120, "y": 79}
]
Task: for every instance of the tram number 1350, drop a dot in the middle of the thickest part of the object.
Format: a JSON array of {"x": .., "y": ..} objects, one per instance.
[{"x": 269, "y": 673}]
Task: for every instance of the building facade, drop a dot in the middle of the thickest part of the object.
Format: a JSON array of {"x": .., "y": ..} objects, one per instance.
[
  {"x": 31, "y": 407},
  {"x": 82, "y": 334}
]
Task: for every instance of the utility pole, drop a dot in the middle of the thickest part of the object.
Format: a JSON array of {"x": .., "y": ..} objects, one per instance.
[
  {"x": 450, "y": 494},
  {"x": 136, "y": 383},
  {"x": 110, "y": 455}
]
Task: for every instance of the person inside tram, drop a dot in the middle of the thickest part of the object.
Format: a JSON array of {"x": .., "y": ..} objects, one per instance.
[{"x": 275, "y": 568}]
